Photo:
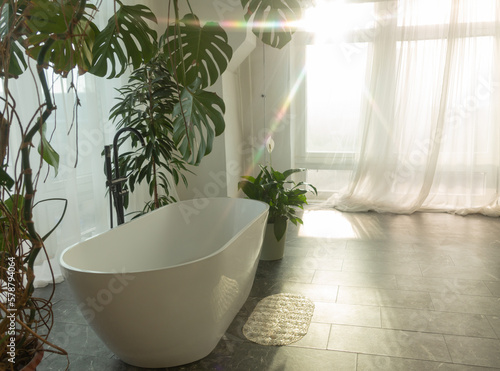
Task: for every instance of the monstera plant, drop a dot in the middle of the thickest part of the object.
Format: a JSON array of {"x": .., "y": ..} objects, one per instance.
[
  {"x": 167, "y": 100},
  {"x": 273, "y": 21},
  {"x": 61, "y": 35}
]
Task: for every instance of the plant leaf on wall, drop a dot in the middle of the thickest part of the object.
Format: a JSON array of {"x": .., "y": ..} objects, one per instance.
[
  {"x": 204, "y": 52},
  {"x": 272, "y": 19}
]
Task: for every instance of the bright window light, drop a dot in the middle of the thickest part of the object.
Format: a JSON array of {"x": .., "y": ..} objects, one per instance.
[{"x": 336, "y": 18}]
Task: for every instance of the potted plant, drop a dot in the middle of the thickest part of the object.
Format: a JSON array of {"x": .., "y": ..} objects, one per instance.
[
  {"x": 283, "y": 196},
  {"x": 61, "y": 34},
  {"x": 165, "y": 101}
]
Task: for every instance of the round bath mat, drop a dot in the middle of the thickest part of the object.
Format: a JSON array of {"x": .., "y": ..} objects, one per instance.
[{"x": 279, "y": 319}]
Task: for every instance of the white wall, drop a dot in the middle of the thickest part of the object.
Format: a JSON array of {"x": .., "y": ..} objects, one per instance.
[
  {"x": 266, "y": 107},
  {"x": 232, "y": 95}
]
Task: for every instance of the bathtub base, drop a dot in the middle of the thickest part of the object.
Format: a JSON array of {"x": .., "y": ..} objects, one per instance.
[{"x": 165, "y": 359}]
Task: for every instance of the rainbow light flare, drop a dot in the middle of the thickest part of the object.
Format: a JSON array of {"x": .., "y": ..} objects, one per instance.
[
  {"x": 233, "y": 24},
  {"x": 276, "y": 121},
  {"x": 262, "y": 25}
]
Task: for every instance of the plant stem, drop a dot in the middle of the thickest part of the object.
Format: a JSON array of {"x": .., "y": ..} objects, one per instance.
[
  {"x": 26, "y": 167},
  {"x": 4, "y": 138},
  {"x": 177, "y": 35},
  {"x": 151, "y": 125},
  {"x": 155, "y": 186},
  {"x": 27, "y": 172}
]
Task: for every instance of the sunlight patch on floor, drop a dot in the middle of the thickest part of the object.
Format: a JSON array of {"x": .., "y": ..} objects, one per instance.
[{"x": 326, "y": 224}]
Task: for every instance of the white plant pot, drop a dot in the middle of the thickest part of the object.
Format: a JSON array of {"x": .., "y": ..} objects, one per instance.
[{"x": 272, "y": 249}]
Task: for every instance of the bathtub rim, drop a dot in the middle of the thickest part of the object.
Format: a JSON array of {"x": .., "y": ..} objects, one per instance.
[{"x": 68, "y": 267}]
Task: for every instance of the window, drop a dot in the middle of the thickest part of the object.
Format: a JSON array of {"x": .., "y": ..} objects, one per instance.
[{"x": 346, "y": 43}]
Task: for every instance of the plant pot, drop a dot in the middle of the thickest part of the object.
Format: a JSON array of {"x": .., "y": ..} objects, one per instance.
[
  {"x": 272, "y": 249},
  {"x": 35, "y": 361}
]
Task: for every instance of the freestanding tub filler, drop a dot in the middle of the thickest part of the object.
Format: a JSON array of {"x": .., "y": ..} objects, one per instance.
[{"x": 162, "y": 290}]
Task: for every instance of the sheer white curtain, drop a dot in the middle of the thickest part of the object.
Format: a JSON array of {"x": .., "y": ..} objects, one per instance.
[
  {"x": 80, "y": 179},
  {"x": 424, "y": 131}
]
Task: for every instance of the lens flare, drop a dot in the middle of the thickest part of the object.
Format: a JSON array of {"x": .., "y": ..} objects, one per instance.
[{"x": 275, "y": 122}]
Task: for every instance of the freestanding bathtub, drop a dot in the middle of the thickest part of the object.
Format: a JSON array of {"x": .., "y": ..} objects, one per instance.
[{"x": 162, "y": 290}]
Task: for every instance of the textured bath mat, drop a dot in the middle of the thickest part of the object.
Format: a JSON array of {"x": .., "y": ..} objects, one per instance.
[{"x": 279, "y": 319}]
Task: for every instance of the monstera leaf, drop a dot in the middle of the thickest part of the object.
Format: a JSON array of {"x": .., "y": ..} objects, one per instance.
[
  {"x": 45, "y": 23},
  {"x": 49, "y": 17},
  {"x": 68, "y": 53},
  {"x": 198, "y": 118},
  {"x": 196, "y": 51},
  {"x": 272, "y": 19},
  {"x": 17, "y": 62},
  {"x": 137, "y": 39}
]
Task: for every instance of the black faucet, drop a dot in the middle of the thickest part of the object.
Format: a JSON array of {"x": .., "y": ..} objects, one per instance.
[{"x": 115, "y": 185}]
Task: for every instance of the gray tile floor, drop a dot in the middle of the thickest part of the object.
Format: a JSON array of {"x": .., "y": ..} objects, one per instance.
[{"x": 391, "y": 292}]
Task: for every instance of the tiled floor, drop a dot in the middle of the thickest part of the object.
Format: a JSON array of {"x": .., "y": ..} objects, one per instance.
[{"x": 391, "y": 292}]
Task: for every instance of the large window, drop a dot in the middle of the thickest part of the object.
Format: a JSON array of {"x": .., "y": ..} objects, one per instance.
[{"x": 353, "y": 46}]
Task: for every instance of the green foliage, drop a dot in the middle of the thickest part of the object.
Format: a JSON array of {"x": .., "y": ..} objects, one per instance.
[
  {"x": 282, "y": 195},
  {"x": 64, "y": 31},
  {"x": 172, "y": 110},
  {"x": 146, "y": 104},
  {"x": 198, "y": 119},
  {"x": 17, "y": 63},
  {"x": 196, "y": 51},
  {"x": 10, "y": 210},
  {"x": 75, "y": 40},
  {"x": 151, "y": 205},
  {"x": 71, "y": 45},
  {"x": 58, "y": 34},
  {"x": 5, "y": 180},
  {"x": 49, "y": 155},
  {"x": 126, "y": 38},
  {"x": 197, "y": 56},
  {"x": 272, "y": 19}
]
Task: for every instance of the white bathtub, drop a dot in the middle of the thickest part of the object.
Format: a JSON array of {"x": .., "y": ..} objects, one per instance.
[{"x": 162, "y": 290}]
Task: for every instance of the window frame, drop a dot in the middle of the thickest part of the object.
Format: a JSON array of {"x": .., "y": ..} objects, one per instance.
[{"x": 346, "y": 160}]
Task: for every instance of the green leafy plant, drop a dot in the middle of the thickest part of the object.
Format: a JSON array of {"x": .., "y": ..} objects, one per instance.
[
  {"x": 197, "y": 51},
  {"x": 183, "y": 131},
  {"x": 166, "y": 101},
  {"x": 146, "y": 104},
  {"x": 280, "y": 193},
  {"x": 61, "y": 35},
  {"x": 197, "y": 56}
]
